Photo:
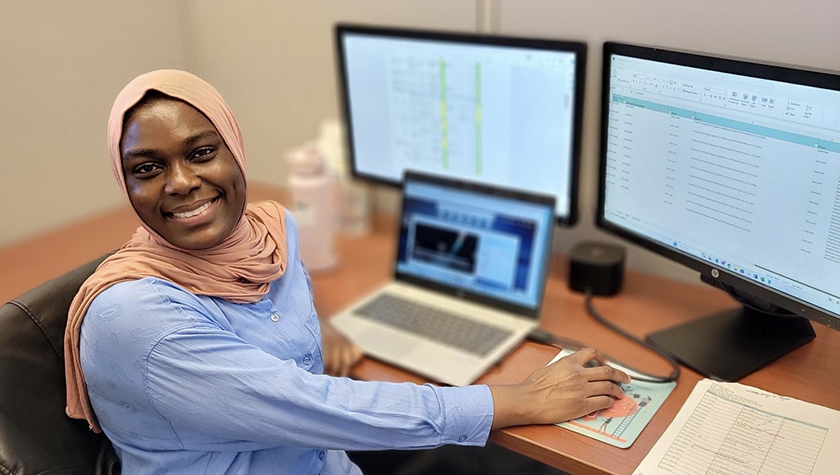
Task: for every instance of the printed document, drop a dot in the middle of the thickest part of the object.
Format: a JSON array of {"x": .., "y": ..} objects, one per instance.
[{"x": 732, "y": 429}]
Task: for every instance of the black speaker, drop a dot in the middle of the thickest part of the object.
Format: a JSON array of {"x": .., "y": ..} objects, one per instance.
[{"x": 596, "y": 266}]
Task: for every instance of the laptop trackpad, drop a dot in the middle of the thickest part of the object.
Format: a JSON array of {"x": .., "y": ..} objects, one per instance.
[{"x": 375, "y": 341}]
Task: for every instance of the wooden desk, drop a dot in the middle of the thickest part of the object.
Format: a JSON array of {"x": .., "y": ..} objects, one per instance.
[{"x": 647, "y": 303}]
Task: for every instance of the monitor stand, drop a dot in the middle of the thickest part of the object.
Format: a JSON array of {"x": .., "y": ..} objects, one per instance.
[{"x": 732, "y": 344}]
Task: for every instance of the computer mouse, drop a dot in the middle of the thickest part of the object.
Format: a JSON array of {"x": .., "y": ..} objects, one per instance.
[{"x": 591, "y": 364}]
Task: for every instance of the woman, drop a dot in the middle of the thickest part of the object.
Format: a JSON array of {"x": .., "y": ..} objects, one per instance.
[{"x": 197, "y": 349}]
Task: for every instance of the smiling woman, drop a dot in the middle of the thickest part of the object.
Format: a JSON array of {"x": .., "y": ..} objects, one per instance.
[
  {"x": 181, "y": 177},
  {"x": 196, "y": 347}
]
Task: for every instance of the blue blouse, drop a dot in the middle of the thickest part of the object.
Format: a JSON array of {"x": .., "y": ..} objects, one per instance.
[{"x": 193, "y": 384}]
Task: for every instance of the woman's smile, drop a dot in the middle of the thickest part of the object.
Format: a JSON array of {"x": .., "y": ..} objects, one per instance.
[{"x": 196, "y": 214}]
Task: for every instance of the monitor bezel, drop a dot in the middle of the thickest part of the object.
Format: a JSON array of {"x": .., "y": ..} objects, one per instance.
[
  {"x": 493, "y": 190},
  {"x": 725, "y": 278},
  {"x": 578, "y": 48}
]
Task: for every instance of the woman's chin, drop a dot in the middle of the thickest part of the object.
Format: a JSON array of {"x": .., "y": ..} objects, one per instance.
[{"x": 195, "y": 240}]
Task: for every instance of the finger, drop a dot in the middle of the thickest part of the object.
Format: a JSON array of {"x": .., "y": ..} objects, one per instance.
[
  {"x": 607, "y": 373},
  {"x": 586, "y": 354},
  {"x": 325, "y": 356},
  {"x": 357, "y": 354},
  {"x": 330, "y": 361},
  {"x": 606, "y": 388},
  {"x": 338, "y": 362},
  {"x": 345, "y": 361},
  {"x": 624, "y": 377},
  {"x": 597, "y": 403}
]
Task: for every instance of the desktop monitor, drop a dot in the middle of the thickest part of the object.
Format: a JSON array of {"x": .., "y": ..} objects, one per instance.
[
  {"x": 731, "y": 168},
  {"x": 497, "y": 110}
]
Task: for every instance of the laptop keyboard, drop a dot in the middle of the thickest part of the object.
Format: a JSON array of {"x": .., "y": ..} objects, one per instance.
[{"x": 442, "y": 327}]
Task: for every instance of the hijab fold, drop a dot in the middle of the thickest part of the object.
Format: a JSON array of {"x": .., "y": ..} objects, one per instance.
[{"x": 239, "y": 269}]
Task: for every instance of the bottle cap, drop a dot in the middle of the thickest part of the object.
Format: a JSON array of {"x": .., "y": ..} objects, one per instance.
[{"x": 306, "y": 160}]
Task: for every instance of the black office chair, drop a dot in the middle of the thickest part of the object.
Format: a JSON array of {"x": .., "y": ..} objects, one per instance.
[{"x": 36, "y": 437}]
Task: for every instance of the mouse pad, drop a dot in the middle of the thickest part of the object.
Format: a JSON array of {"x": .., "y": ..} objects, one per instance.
[{"x": 622, "y": 423}]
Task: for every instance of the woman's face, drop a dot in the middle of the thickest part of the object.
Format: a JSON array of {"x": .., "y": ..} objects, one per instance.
[{"x": 181, "y": 177}]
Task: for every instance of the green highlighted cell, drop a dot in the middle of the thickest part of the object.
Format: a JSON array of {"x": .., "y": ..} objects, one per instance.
[
  {"x": 478, "y": 118},
  {"x": 444, "y": 121}
]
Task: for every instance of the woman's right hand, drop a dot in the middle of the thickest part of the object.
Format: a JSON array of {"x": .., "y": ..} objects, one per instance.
[{"x": 559, "y": 392}]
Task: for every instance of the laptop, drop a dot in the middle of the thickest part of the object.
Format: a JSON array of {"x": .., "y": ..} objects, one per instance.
[{"x": 469, "y": 279}]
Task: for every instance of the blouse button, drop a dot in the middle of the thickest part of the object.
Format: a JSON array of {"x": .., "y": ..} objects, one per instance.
[
  {"x": 275, "y": 318},
  {"x": 307, "y": 360},
  {"x": 462, "y": 438},
  {"x": 322, "y": 455}
]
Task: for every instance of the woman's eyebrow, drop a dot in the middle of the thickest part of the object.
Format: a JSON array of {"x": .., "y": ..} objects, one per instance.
[
  {"x": 189, "y": 141},
  {"x": 139, "y": 152}
]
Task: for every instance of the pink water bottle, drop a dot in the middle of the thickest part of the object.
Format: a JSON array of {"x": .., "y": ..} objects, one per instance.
[{"x": 314, "y": 207}]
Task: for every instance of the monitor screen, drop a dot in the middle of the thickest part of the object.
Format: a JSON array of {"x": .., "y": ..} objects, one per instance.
[
  {"x": 477, "y": 240},
  {"x": 501, "y": 111},
  {"x": 732, "y": 164}
]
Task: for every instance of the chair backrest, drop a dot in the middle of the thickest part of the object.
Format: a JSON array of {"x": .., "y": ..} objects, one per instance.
[{"x": 36, "y": 436}]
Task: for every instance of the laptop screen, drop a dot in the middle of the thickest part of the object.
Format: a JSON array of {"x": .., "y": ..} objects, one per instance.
[{"x": 480, "y": 240}]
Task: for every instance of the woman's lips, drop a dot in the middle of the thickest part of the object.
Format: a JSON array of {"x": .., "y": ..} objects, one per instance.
[{"x": 198, "y": 216}]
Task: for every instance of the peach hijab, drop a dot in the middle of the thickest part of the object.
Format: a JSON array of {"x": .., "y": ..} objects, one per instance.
[{"x": 239, "y": 269}]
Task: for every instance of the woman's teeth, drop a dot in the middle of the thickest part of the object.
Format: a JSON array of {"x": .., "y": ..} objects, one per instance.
[{"x": 195, "y": 212}]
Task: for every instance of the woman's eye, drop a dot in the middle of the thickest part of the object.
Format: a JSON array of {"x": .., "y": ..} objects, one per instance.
[
  {"x": 204, "y": 153},
  {"x": 145, "y": 169}
]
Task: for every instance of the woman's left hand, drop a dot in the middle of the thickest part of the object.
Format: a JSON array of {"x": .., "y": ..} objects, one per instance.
[{"x": 340, "y": 355}]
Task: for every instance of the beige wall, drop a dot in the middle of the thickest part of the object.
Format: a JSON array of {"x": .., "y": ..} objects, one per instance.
[
  {"x": 273, "y": 61},
  {"x": 61, "y": 65}
]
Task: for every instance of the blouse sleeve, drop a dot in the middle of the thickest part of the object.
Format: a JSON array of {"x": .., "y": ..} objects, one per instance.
[{"x": 220, "y": 393}]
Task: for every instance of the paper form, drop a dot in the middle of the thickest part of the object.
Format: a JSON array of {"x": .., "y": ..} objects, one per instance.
[{"x": 732, "y": 429}]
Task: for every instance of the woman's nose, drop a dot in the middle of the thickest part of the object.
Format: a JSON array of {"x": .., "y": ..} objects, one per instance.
[{"x": 181, "y": 180}]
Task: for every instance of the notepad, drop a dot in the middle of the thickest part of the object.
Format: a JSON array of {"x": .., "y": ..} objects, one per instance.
[
  {"x": 732, "y": 428},
  {"x": 621, "y": 424}
]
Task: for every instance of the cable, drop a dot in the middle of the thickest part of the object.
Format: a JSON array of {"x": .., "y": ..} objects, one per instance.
[
  {"x": 675, "y": 372},
  {"x": 547, "y": 338}
]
